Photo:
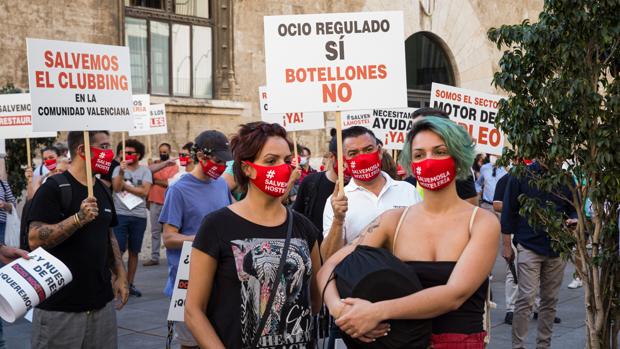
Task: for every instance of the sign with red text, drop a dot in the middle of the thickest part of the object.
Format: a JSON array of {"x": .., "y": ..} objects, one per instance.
[
  {"x": 16, "y": 118},
  {"x": 176, "y": 310},
  {"x": 140, "y": 113},
  {"x": 156, "y": 122},
  {"x": 335, "y": 61},
  {"x": 475, "y": 111},
  {"x": 390, "y": 126},
  {"x": 291, "y": 121},
  {"x": 78, "y": 86}
]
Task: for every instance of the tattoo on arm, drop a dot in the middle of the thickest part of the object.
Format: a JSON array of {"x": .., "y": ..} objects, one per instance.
[
  {"x": 117, "y": 261},
  {"x": 52, "y": 235},
  {"x": 370, "y": 228}
]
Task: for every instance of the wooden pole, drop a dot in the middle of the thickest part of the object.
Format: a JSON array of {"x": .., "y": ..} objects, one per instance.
[
  {"x": 339, "y": 153},
  {"x": 28, "y": 154},
  {"x": 295, "y": 147},
  {"x": 149, "y": 151},
  {"x": 123, "y": 142},
  {"x": 89, "y": 170}
]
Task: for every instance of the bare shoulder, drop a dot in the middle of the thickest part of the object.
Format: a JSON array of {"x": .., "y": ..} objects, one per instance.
[{"x": 486, "y": 223}]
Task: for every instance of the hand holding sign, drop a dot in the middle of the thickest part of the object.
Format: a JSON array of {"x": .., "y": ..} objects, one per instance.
[{"x": 88, "y": 211}]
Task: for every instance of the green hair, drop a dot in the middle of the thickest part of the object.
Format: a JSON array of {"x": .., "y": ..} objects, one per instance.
[{"x": 460, "y": 146}]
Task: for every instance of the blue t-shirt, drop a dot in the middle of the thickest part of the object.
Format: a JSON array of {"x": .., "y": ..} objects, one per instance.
[{"x": 187, "y": 202}]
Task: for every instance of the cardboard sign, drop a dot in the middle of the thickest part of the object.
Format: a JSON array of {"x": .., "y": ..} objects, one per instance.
[
  {"x": 335, "y": 61},
  {"x": 294, "y": 121},
  {"x": 16, "y": 117},
  {"x": 155, "y": 122},
  {"x": 390, "y": 126},
  {"x": 140, "y": 112},
  {"x": 24, "y": 284},
  {"x": 475, "y": 111},
  {"x": 77, "y": 86},
  {"x": 177, "y": 302}
]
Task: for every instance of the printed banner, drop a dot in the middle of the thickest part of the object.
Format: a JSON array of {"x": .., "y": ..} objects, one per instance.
[
  {"x": 16, "y": 117},
  {"x": 390, "y": 126},
  {"x": 24, "y": 284},
  {"x": 475, "y": 111},
  {"x": 177, "y": 302},
  {"x": 335, "y": 61},
  {"x": 78, "y": 86},
  {"x": 296, "y": 121},
  {"x": 140, "y": 113}
]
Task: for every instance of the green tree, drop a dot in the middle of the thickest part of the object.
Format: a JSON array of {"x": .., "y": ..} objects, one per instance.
[
  {"x": 562, "y": 78},
  {"x": 16, "y": 158}
]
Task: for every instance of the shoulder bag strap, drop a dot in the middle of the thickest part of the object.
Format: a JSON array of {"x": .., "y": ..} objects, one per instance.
[{"x": 274, "y": 290}]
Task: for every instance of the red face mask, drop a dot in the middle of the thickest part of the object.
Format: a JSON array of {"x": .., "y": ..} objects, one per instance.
[
  {"x": 130, "y": 159},
  {"x": 271, "y": 180},
  {"x": 346, "y": 170},
  {"x": 183, "y": 160},
  {"x": 212, "y": 169},
  {"x": 365, "y": 167},
  {"x": 101, "y": 160},
  {"x": 434, "y": 174},
  {"x": 50, "y": 164}
]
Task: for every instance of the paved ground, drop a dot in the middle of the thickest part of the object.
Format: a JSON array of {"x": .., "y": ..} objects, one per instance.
[{"x": 142, "y": 323}]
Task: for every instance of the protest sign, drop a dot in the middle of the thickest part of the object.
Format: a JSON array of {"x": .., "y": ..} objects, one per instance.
[
  {"x": 475, "y": 111},
  {"x": 291, "y": 121},
  {"x": 177, "y": 302},
  {"x": 158, "y": 121},
  {"x": 390, "y": 126},
  {"x": 140, "y": 113},
  {"x": 24, "y": 284},
  {"x": 78, "y": 87},
  {"x": 16, "y": 117},
  {"x": 335, "y": 61}
]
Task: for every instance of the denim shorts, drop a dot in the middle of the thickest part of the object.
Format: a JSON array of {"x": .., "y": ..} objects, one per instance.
[{"x": 130, "y": 232}]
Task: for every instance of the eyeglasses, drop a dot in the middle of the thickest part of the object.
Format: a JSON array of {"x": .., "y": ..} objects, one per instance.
[{"x": 130, "y": 153}]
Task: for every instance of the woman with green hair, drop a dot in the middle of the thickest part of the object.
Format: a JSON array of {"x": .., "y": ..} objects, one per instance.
[{"x": 444, "y": 240}]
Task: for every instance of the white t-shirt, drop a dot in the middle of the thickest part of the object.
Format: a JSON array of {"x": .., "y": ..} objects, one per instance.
[{"x": 364, "y": 206}]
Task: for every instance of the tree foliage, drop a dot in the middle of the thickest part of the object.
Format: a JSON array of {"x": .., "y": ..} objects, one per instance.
[{"x": 562, "y": 75}]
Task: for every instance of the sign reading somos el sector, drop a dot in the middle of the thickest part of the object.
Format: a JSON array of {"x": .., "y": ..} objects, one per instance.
[
  {"x": 78, "y": 86},
  {"x": 16, "y": 118},
  {"x": 291, "y": 121},
  {"x": 177, "y": 302},
  {"x": 476, "y": 111},
  {"x": 140, "y": 112},
  {"x": 335, "y": 61},
  {"x": 390, "y": 126}
]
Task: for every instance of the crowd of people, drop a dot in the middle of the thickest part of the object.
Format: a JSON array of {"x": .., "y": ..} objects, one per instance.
[{"x": 402, "y": 254}]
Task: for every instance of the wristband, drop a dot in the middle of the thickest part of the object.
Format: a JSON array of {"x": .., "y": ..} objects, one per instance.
[{"x": 77, "y": 221}]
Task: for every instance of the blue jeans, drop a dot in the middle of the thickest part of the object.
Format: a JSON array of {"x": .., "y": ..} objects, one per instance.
[
  {"x": 2, "y": 345},
  {"x": 130, "y": 232},
  {"x": 2, "y": 230},
  {"x": 334, "y": 333}
]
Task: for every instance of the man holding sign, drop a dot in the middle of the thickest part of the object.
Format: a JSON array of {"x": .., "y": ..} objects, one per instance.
[{"x": 82, "y": 313}]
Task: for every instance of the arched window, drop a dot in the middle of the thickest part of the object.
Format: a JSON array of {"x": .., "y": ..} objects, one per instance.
[{"x": 427, "y": 62}]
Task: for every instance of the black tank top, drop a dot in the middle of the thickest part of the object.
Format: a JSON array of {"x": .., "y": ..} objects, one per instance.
[{"x": 467, "y": 318}]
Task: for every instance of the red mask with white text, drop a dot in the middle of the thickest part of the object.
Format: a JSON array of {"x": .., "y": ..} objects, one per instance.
[
  {"x": 434, "y": 174},
  {"x": 131, "y": 158},
  {"x": 271, "y": 180},
  {"x": 101, "y": 160},
  {"x": 50, "y": 164},
  {"x": 365, "y": 167},
  {"x": 346, "y": 170},
  {"x": 183, "y": 160},
  {"x": 212, "y": 169}
]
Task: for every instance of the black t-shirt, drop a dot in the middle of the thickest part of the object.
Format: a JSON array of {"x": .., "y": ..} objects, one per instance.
[
  {"x": 86, "y": 252},
  {"x": 312, "y": 197},
  {"x": 108, "y": 176},
  {"x": 500, "y": 188},
  {"x": 248, "y": 257},
  {"x": 465, "y": 188}
]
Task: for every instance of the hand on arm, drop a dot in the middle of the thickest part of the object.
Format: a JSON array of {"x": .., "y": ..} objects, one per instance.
[
  {"x": 173, "y": 238},
  {"x": 156, "y": 167},
  {"x": 141, "y": 191}
]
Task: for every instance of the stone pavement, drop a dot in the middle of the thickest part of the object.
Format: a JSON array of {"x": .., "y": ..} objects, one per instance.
[{"x": 142, "y": 323}]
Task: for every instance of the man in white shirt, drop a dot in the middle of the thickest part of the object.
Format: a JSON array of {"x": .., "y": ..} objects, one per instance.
[{"x": 369, "y": 193}]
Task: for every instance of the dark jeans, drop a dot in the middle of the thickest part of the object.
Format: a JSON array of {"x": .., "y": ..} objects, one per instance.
[
  {"x": 334, "y": 333},
  {"x": 130, "y": 232},
  {"x": 2, "y": 230},
  {"x": 2, "y": 345}
]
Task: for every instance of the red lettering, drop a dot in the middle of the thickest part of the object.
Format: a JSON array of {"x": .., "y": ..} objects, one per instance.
[
  {"x": 483, "y": 134},
  {"x": 48, "y": 56},
  {"x": 290, "y": 75},
  {"x": 495, "y": 137},
  {"x": 382, "y": 71}
]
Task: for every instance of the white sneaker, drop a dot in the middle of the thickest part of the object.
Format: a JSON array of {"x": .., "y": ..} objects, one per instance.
[{"x": 576, "y": 283}]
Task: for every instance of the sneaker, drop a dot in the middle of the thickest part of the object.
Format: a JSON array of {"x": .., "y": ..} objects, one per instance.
[
  {"x": 557, "y": 320},
  {"x": 133, "y": 291},
  {"x": 576, "y": 283},
  {"x": 508, "y": 318},
  {"x": 150, "y": 263}
]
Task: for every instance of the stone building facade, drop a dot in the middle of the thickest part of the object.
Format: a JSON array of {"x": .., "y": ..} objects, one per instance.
[{"x": 445, "y": 42}]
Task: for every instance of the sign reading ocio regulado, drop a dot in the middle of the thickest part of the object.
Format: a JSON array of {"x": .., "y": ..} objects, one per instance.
[
  {"x": 390, "y": 126},
  {"x": 475, "y": 111},
  {"x": 77, "y": 86},
  {"x": 335, "y": 61},
  {"x": 16, "y": 117}
]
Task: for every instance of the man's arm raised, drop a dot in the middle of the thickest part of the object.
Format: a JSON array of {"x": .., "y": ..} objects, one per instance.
[{"x": 334, "y": 239}]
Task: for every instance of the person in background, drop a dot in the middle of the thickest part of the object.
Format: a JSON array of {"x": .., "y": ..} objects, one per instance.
[
  {"x": 7, "y": 205},
  {"x": 34, "y": 183},
  {"x": 188, "y": 201},
  {"x": 186, "y": 163},
  {"x": 49, "y": 159},
  {"x": 163, "y": 170},
  {"x": 304, "y": 163},
  {"x": 131, "y": 183},
  {"x": 63, "y": 149},
  {"x": 107, "y": 178},
  {"x": 237, "y": 251},
  {"x": 7, "y": 255},
  {"x": 490, "y": 174},
  {"x": 81, "y": 314},
  {"x": 465, "y": 188},
  {"x": 388, "y": 165},
  {"x": 480, "y": 160}
]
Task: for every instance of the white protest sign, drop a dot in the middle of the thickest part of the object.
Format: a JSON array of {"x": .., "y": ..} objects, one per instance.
[
  {"x": 177, "y": 302},
  {"x": 390, "y": 126},
  {"x": 16, "y": 117},
  {"x": 77, "y": 86},
  {"x": 352, "y": 118},
  {"x": 158, "y": 121},
  {"x": 24, "y": 284},
  {"x": 140, "y": 112},
  {"x": 291, "y": 121},
  {"x": 2, "y": 147},
  {"x": 335, "y": 61},
  {"x": 475, "y": 111}
]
